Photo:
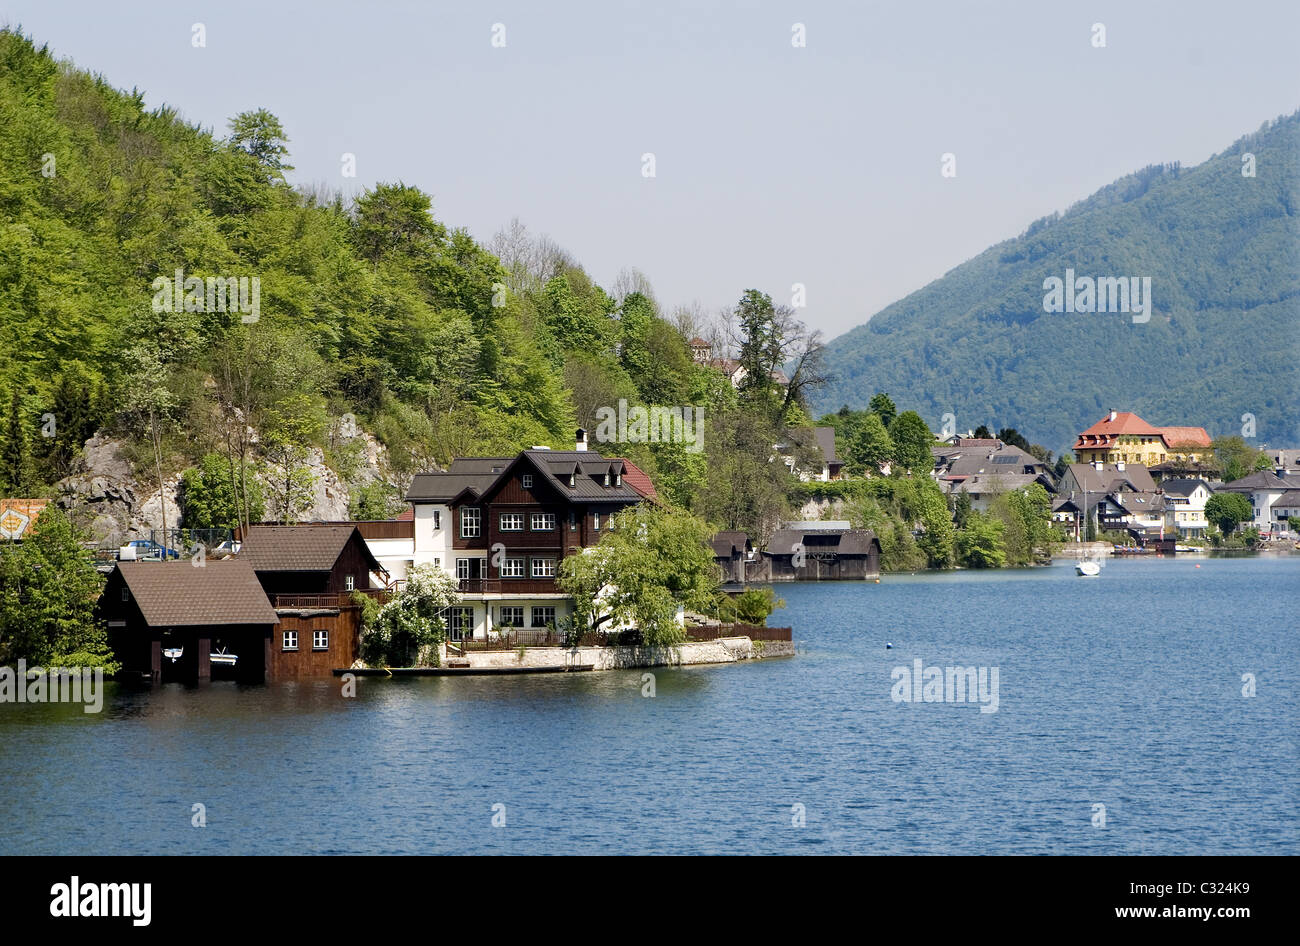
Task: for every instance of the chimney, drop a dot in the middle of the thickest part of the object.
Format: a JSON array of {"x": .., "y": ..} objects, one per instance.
[
  {"x": 1119, "y": 467},
  {"x": 582, "y": 440},
  {"x": 1113, "y": 414}
]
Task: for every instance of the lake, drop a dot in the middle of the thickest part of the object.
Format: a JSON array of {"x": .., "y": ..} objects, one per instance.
[{"x": 1124, "y": 691}]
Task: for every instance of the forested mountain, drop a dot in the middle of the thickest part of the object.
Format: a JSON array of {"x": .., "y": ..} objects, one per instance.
[
  {"x": 372, "y": 307},
  {"x": 1223, "y": 253}
]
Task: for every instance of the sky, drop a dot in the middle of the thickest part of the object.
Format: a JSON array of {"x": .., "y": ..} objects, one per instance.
[{"x": 774, "y": 163}]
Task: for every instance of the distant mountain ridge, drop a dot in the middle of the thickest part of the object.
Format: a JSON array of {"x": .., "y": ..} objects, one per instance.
[{"x": 1221, "y": 340}]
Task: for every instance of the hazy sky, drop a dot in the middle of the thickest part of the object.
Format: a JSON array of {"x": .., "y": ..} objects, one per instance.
[{"x": 773, "y": 164}]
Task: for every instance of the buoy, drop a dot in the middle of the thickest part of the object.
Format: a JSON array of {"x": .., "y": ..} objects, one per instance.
[{"x": 889, "y": 645}]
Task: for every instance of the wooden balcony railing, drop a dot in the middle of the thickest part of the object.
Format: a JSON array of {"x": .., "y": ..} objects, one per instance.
[{"x": 508, "y": 586}]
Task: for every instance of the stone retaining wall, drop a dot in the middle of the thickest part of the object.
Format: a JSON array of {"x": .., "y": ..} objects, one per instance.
[{"x": 722, "y": 651}]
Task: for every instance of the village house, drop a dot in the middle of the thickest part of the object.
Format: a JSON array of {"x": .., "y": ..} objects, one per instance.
[
  {"x": 310, "y": 572},
  {"x": 985, "y": 468},
  {"x": 501, "y": 526},
  {"x": 1285, "y": 462},
  {"x": 1263, "y": 489},
  {"x": 1185, "y": 501},
  {"x": 1286, "y": 507},
  {"x": 1123, "y": 437},
  {"x": 1116, "y": 497},
  {"x": 823, "y": 465},
  {"x": 702, "y": 354}
]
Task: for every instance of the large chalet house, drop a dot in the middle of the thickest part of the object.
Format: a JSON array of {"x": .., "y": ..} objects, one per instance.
[
  {"x": 501, "y": 526},
  {"x": 1123, "y": 437}
]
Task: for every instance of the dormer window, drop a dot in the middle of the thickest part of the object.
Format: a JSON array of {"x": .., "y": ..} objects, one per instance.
[
  {"x": 607, "y": 477},
  {"x": 618, "y": 479},
  {"x": 573, "y": 480}
]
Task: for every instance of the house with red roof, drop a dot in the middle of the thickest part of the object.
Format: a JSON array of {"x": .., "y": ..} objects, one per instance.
[{"x": 1124, "y": 437}]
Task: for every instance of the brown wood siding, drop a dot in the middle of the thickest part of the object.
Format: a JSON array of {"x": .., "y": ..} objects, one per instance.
[
  {"x": 354, "y": 561},
  {"x": 343, "y": 628}
]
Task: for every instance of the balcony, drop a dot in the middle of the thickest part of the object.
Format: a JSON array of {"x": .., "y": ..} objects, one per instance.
[{"x": 508, "y": 586}]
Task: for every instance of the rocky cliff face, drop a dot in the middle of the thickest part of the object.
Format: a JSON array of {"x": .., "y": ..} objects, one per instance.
[{"x": 105, "y": 497}]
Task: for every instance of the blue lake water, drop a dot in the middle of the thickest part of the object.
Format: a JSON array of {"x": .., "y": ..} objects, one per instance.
[{"x": 1123, "y": 691}]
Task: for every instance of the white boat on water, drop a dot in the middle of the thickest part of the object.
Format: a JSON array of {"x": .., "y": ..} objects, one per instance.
[
  {"x": 1087, "y": 569},
  {"x": 173, "y": 653},
  {"x": 223, "y": 659}
]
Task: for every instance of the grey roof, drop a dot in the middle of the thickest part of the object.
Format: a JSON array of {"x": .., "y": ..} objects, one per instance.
[
  {"x": 1089, "y": 478},
  {"x": 826, "y": 440},
  {"x": 1133, "y": 501},
  {"x": 726, "y": 544},
  {"x": 984, "y": 457},
  {"x": 1262, "y": 479},
  {"x": 847, "y": 541},
  {"x": 481, "y": 474},
  {"x": 479, "y": 464},
  {"x": 1182, "y": 486},
  {"x": 1290, "y": 498},
  {"x": 444, "y": 487},
  {"x": 182, "y": 594},
  {"x": 994, "y": 482},
  {"x": 304, "y": 548}
]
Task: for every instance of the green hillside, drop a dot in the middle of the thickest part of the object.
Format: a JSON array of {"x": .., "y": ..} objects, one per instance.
[
  {"x": 1223, "y": 340},
  {"x": 370, "y": 307}
]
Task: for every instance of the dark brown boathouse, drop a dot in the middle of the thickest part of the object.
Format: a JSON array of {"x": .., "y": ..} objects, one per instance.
[{"x": 166, "y": 619}]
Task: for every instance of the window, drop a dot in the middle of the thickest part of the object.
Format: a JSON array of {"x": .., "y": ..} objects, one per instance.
[
  {"x": 573, "y": 521},
  {"x": 461, "y": 623},
  {"x": 290, "y": 640},
  {"x": 607, "y": 477},
  {"x": 437, "y": 563},
  {"x": 543, "y": 522},
  {"x": 512, "y": 617},
  {"x": 471, "y": 522},
  {"x": 526, "y": 481},
  {"x": 126, "y": 593},
  {"x": 462, "y": 568},
  {"x": 543, "y": 616},
  {"x": 512, "y": 522},
  {"x": 349, "y": 583},
  {"x": 543, "y": 568},
  {"x": 320, "y": 640},
  {"x": 512, "y": 568},
  {"x": 595, "y": 521},
  {"x": 437, "y": 519}
]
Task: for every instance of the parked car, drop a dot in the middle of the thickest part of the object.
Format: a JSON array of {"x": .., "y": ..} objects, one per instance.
[{"x": 145, "y": 550}]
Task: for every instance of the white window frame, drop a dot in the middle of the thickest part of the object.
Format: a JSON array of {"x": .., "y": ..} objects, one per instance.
[
  {"x": 543, "y": 568},
  {"x": 320, "y": 639},
  {"x": 289, "y": 641},
  {"x": 526, "y": 481},
  {"x": 471, "y": 522},
  {"x": 595, "y": 522},
  {"x": 509, "y": 567},
  {"x": 462, "y": 565},
  {"x": 514, "y": 517},
  {"x": 349, "y": 582},
  {"x": 543, "y": 518},
  {"x": 437, "y": 520},
  {"x": 542, "y": 623}
]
